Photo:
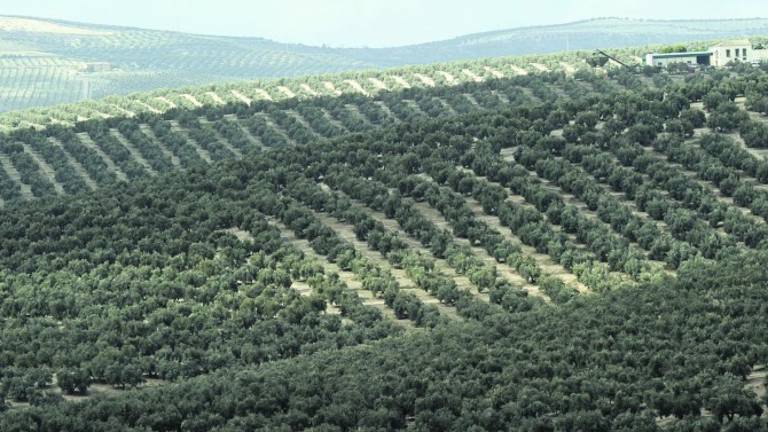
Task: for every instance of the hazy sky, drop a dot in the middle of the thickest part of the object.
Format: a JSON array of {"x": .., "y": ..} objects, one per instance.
[{"x": 365, "y": 22}]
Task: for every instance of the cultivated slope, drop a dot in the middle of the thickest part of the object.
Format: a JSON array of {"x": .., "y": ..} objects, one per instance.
[
  {"x": 534, "y": 253},
  {"x": 44, "y": 62}
]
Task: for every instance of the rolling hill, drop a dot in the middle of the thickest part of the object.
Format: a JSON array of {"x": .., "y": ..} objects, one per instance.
[
  {"x": 537, "y": 252},
  {"x": 47, "y": 62}
]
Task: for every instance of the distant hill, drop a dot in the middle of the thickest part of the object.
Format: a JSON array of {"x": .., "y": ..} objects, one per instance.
[
  {"x": 580, "y": 35},
  {"x": 46, "y": 62}
]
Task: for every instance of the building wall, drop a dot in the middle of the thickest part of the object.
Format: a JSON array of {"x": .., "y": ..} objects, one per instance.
[
  {"x": 722, "y": 55},
  {"x": 649, "y": 60},
  {"x": 662, "y": 61}
]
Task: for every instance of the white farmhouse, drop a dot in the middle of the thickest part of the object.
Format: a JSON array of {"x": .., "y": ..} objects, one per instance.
[
  {"x": 732, "y": 51},
  {"x": 725, "y": 52}
]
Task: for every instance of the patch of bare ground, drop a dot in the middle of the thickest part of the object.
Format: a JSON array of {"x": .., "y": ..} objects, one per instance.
[
  {"x": 124, "y": 111},
  {"x": 86, "y": 140},
  {"x": 448, "y": 107},
  {"x": 331, "y": 88},
  {"x": 472, "y": 100},
  {"x": 427, "y": 81},
  {"x": 215, "y": 98},
  {"x": 756, "y": 381},
  {"x": 95, "y": 391},
  {"x": 330, "y": 119},
  {"x": 441, "y": 264},
  {"x": 309, "y": 90},
  {"x": 287, "y": 92},
  {"x": 223, "y": 141},
  {"x": 520, "y": 201},
  {"x": 203, "y": 153},
  {"x": 759, "y": 153},
  {"x": 43, "y": 167},
  {"x": 518, "y": 70},
  {"x": 7, "y": 165},
  {"x": 356, "y": 87},
  {"x": 192, "y": 100},
  {"x": 378, "y": 84},
  {"x": 508, "y": 154},
  {"x": 506, "y": 272},
  {"x": 529, "y": 94},
  {"x": 355, "y": 111},
  {"x": 149, "y": 133},
  {"x": 56, "y": 121},
  {"x": 449, "y": 77},
  {"x": 582, "y": 207},
  {"x": 472, "y": 76},
  {"x": 387, "y": 111},
  {"x": 707, "y": 185},
  {"x": 99, "y": 390},
  {"x": 401, "y": 81},
  {"x": 494, "y": 72},
  {"x": 568, "y": 68},
  {"x": 169, "y": 103},
  {"x": 241, "y": 97},
  {"x": 276, "y": 128},
  {"x": 410, "y": 103},
  {"x": 75, "y": 164},
  {"x": 346, "y": 232},
  {"x": 545, "y": 262},
  {"x": 148, "y": 107},
  {"x": 260, "y": 94},
  {"x": 350, "y": 279},
  {"x": 299, "y": 286},
  {"x": 242, "y": 235},
  {"x": 501, "y": 96},
  {"x": 302, "y": 121},
  {"x": 37, "y": 126},
  {"x": 621, "y": 196},
  {"x": 133, "y": 151},
  {"x": 253, "y": 139}
]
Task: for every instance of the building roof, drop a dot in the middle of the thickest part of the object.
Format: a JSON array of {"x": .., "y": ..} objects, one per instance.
[
  {"x": 681, "y": 54},
  {"x": 733, "y": 42}
]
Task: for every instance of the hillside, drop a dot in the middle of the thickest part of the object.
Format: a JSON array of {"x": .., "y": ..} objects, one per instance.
[
  {"x": 533, "y": 252},
  {"x": 48, "y": 62},
  {"x": 602, "y": 33},
  {"x": 248, "y": 92}
]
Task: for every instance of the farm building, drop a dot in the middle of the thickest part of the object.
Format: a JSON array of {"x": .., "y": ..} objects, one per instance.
[
  {"x": 728, "y": 51},
  {"x": 693, "y": 58},
  {"x": 739, "y": 50}
]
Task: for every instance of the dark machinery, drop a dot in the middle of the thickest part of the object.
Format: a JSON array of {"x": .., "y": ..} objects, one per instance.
[{"x": 600, "y": 58}]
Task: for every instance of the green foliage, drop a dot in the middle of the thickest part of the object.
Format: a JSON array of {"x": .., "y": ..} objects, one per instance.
[
  {"x": 597, "y": 276},
  {"x": 673, "y": 49},
  {"x": 73, "y": 380},
  {"x": 258, "y": 293}
]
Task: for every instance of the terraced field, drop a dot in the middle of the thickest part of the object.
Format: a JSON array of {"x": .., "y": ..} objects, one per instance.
[
  {"x": 358, "y": 83},
  {"x": 549, "y": 230},
  {"x": 129, "y": 149},
  {"x": 49, "y": 62}
]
